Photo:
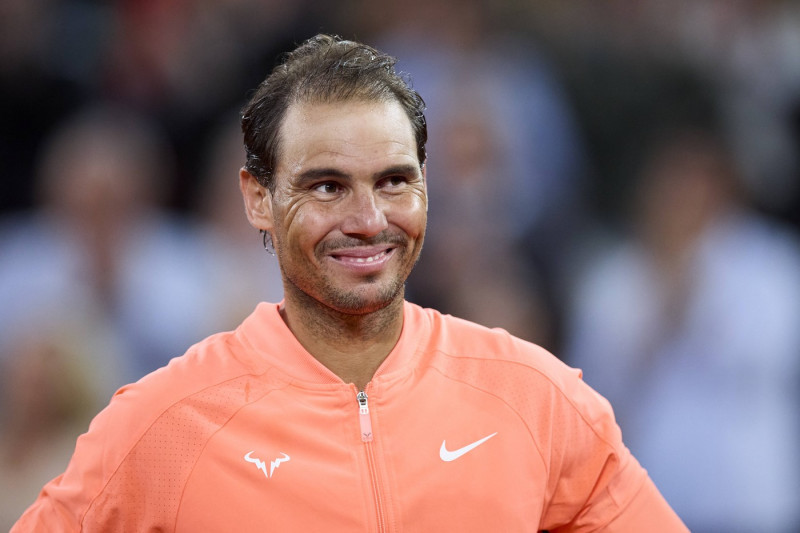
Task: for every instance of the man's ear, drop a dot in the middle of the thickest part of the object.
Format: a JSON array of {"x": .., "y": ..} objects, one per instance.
[{"x": 257, "y": 201}]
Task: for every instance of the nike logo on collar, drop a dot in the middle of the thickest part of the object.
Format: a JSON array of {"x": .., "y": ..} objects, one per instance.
[{"x": 447, "y": 455}]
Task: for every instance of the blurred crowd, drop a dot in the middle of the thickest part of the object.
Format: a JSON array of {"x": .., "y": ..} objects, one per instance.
[{"x": 618, "y": 181}]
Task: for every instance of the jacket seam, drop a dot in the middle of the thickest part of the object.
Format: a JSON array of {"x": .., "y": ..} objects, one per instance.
[
  {"x": 208, "y": 440},
  {"x": 144, "y": 433}
]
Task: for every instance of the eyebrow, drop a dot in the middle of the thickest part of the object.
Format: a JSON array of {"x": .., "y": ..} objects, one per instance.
[
  {"x": 314, "y": 174},
  {"x": 403, "y": 170}
]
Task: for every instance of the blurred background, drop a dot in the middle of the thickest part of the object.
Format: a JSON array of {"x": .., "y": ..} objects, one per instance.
[{"x": 617, "y": 181}]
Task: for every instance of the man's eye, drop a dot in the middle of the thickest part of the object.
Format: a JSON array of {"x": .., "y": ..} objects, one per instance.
[
  {"x": 327, "y": 187},
  {"x": 394, "y": 181}
]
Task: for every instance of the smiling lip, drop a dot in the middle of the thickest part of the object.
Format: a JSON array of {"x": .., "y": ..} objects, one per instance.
[{"x": 367, "y": 256}]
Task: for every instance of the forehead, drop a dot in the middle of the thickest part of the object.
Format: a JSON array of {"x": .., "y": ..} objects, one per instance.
[{"x": 349, "y": 132}]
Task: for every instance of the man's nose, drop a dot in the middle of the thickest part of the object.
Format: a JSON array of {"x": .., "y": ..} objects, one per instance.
[{"x": 365, "y": 214}]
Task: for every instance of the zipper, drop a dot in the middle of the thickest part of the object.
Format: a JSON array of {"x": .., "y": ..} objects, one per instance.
[
  {"x": 363, "y": 417},
  {"x": 365, "y": 424}
]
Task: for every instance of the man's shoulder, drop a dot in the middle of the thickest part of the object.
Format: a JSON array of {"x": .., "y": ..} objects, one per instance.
[
  {"x": 208, "y": 363},
  {"x": 211, "y": 363},
  {"x": 464, "y": 338},
  {"x": 161, "y": 424},
  {"x": 182, "y": 403},
  {"x": 526, "y": 377},
  {"x": 457, "y": 342},
  {"x": 212, "y": 379}
]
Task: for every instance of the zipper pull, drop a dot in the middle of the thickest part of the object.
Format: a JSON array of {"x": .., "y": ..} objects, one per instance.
[{"x": 363, "y": 417}]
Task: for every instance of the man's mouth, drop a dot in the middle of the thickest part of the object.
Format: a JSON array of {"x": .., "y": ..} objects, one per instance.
[
  {"x": 362, "y": 256},
  {"x": 370, "y": 259}
]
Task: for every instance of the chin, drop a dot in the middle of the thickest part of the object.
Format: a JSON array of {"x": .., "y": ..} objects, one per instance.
[
  {"x": 359, "y": 306},
  {"x": 360, "y": 299},
  {"x": 364, "y": 302}
]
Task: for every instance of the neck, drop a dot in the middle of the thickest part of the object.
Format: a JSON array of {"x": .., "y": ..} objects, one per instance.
[{"x": 351, "y": 346}]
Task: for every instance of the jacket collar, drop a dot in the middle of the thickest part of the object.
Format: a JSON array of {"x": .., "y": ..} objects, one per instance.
[{"x": 270, "y": 343}]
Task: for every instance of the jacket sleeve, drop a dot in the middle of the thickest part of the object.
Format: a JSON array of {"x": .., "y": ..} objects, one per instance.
[
  {"x": 64, "y": 502},
  {"x": 128, "y": 471},
  {"x": 47, "y": 514},
  {"x": 595, "y": 484},
  {"x": 646, "y": 511}
]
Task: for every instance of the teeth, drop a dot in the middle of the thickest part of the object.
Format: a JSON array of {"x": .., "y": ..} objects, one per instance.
[{"x": 369, "y": 259}]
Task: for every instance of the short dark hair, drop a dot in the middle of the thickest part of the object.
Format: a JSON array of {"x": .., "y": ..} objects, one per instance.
[{"x": 323, "y": 69}]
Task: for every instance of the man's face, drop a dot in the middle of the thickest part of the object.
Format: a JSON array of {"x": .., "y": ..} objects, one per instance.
[{"x": 349, "y": 209}]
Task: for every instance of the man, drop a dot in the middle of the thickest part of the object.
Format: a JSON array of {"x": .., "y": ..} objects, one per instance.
[{"x": 345, "y": 408}]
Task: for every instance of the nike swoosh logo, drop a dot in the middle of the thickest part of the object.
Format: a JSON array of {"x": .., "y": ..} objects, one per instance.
[{"x": 447, "y": 455}]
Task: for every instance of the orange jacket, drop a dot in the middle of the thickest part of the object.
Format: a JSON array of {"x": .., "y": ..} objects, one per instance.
[{"x": 462, "y": 429}]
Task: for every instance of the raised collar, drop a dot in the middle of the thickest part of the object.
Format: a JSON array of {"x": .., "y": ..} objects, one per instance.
[{"x": 270, "y": 343}]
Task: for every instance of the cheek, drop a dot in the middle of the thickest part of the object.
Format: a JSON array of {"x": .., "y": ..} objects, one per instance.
[
  {"x": 307, "y": 227},
  {"x": 412, "y": 216}
]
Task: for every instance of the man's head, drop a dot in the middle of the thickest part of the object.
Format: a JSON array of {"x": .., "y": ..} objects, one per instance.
[
  {"x": 324, "y": 69},
  {"x": 335, "y": 174}
]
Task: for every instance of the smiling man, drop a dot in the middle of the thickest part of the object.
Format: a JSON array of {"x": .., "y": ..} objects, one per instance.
[
  {"x": 346, "y": 211},
  {"x": 345, "y": 407}
]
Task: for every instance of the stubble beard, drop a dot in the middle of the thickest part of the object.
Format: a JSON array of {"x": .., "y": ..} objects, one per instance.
[
  {"x": 372, "y": 294},
  {"x": 356, "y": 302}
]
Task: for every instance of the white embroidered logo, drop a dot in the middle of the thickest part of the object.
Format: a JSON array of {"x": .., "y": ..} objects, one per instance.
[
  {"x": 447, "y": 455},
  {"x": 261, "y": 465}
]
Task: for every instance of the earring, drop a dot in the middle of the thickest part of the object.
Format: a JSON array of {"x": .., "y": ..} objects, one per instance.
[{"x": 268, "y": 246}]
